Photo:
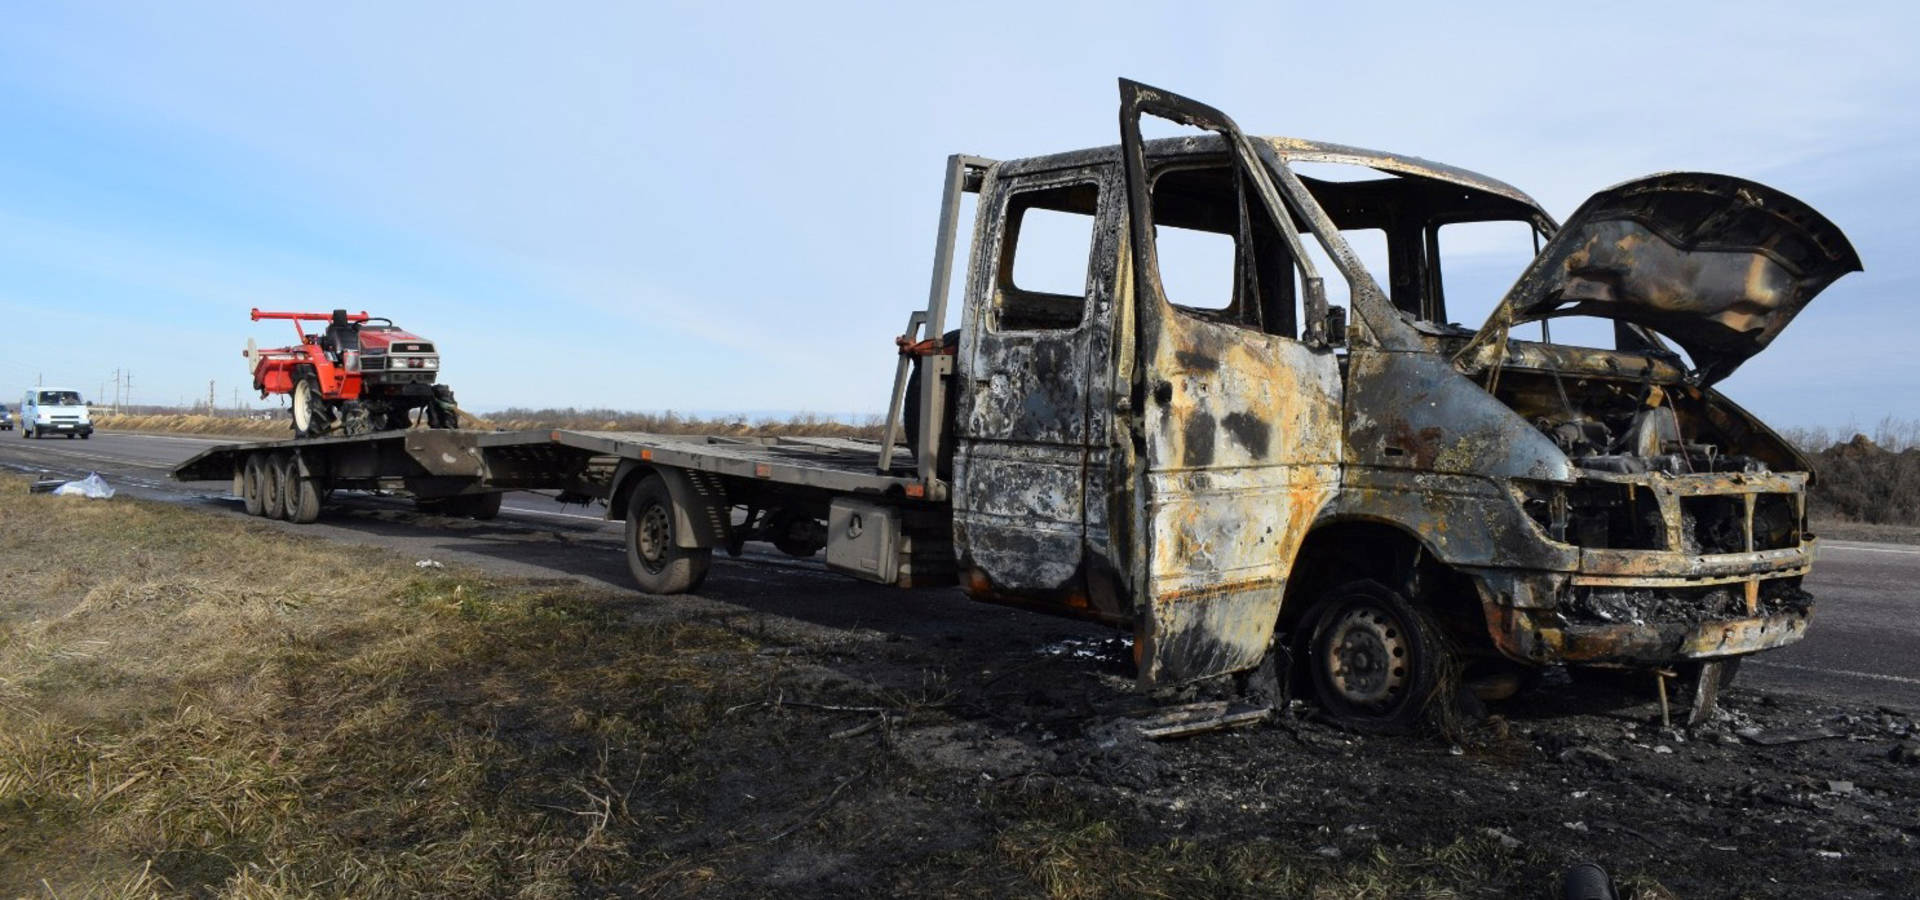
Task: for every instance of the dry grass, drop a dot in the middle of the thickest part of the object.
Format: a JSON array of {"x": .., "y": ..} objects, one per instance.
[
  {"x": 210, "y": 706},
  {"x": 189, "y": 703},
  {"x": 804, "y": 424},
  {"x": 186, "y": 423}
]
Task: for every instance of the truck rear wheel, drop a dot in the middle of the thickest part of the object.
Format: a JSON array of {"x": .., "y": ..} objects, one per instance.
[
  {"x": 659, "y": 564},
  {"x": 250, "y": 484},
  {"x": 1374, "y": 659},
  {"x": 300, "y": 497}
]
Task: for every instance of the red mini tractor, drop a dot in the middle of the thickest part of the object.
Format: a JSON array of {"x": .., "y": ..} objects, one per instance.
[{"x": 359, "y": 374}]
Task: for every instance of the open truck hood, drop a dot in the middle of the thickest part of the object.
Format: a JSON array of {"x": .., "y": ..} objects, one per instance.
[{"x": 1717, "y": 264}]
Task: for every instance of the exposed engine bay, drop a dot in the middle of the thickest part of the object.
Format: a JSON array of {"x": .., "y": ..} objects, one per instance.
[{"x": 1624, "y": 428}]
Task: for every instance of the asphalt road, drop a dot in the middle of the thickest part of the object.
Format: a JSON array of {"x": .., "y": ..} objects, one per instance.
[{"x": 1861, "y": 645}]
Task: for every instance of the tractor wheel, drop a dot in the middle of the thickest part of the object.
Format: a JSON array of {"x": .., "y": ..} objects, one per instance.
[
  {"x": 300, "y": 496},
  {"x": 309, "y": 409},
  {"x": 250, "y": 479},
  {"x": 659, "y": 564},
  {"x": 354, "y": 418},
  {"x": 441, "y": 411},
  {"x": 273, "y": 501},
  {"x": 1375, "y": 660}
]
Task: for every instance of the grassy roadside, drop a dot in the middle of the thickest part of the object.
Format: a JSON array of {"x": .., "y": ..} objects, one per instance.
[
  {"x": 208, "y": 706},
  {"x": 1880, "y": 533}
]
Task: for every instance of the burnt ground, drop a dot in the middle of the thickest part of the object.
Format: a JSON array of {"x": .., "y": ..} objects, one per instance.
[{"x": 1778, "y": 796}]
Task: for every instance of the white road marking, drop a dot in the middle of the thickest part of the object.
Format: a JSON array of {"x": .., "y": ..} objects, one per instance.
[
  {"x": 1869, "y": 548},
  {"x": 561, "y": 515},
  {"x": 178, "y": 437},
  {"x": 1898, "y": 679}
]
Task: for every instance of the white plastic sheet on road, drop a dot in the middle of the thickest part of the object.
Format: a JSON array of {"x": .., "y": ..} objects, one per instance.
[{"x": 93, "y": 487}]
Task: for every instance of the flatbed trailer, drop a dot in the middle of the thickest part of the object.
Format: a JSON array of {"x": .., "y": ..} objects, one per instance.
[
  {"x": 787, "y": 485},
  {"x": 1243, "y": 470}
]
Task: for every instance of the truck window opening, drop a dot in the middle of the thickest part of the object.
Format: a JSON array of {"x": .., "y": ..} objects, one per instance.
[{"x": 1042, "y": 280}]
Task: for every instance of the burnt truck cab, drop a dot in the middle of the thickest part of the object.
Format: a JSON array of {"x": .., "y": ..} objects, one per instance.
[{"x": 1227, "y": 462}]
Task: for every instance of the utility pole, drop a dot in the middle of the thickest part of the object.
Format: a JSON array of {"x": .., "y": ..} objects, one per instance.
[
  {"x": 209, "y": 396},
  {"x": 116, "y": 392}
]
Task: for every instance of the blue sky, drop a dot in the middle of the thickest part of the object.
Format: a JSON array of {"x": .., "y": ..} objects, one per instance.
[{"x": 730, "y": 207}]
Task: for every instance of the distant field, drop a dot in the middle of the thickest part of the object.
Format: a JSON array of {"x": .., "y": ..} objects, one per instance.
[{"x": 517, "y": 420}]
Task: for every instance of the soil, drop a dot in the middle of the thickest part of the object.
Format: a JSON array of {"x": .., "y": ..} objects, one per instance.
[{"x": 1776, "y": 796}]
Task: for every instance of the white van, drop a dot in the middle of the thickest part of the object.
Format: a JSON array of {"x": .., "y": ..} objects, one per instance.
[{"x": 48, "y": 410}]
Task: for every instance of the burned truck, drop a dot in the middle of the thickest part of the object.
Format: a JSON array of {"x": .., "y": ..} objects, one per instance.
[{"x": 1240, "y": 470}]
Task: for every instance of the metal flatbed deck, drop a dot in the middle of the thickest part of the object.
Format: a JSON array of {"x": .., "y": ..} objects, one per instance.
[{"x": 562, "y": 459}]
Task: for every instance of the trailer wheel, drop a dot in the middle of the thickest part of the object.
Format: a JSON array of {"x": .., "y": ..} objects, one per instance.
[
  {"x": 658, "y": 563},
  {"x": 250, "y": 484},
  {"x": 300, "y": 497},
  {"x": 272, "y": 496},
  {"x": 1374, "y": 659}
]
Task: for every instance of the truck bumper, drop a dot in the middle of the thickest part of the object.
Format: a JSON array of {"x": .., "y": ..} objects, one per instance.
[
  {"x": 62, "y": 428},
  {"x": 1607, "y": 614}
]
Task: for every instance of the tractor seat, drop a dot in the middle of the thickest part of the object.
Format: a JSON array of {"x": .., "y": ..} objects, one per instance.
[{"x": 339, "y": 339}]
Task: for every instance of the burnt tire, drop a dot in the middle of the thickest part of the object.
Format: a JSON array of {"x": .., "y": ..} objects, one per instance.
[
  {"x": 910, "y": 414},
  {"x": 658, "y": 563},
  {"x": 1376, "y": 662},
  {"x": 273, "y": 501},
  {"x": 250, "y": 479},
  {"x": 299, "y": 496}
]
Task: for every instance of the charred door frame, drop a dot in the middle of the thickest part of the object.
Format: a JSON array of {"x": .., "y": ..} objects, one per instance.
[
  {"x": 1029, "y": 439},
  {"x": 1237, "y": 433}
]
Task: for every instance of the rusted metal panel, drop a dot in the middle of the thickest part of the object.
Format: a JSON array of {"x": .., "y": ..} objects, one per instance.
[
  {"x": 1718, "y": 264},
  {"x": 1525, "y": 635},
  {"x": 1240, "y": 437}
]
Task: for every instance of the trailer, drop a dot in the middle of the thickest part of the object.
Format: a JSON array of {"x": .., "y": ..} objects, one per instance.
[
  {"x": 677, "y": 493},
  {"x": 1241, "y": 469}
]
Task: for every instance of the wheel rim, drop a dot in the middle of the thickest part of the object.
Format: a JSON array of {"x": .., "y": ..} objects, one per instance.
[
  {"x": 1366, "y": 657},
  {"x": 303, "y": 407},
  {"x": 651, "y": 536}
]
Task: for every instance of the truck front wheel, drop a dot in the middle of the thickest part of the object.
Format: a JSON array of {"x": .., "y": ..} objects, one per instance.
[
  {"x": 659, "y": 564},
  {"x": 1374, "y": 659}
]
